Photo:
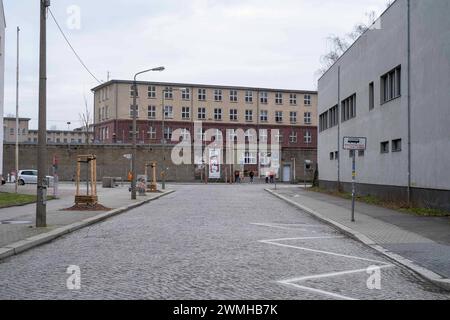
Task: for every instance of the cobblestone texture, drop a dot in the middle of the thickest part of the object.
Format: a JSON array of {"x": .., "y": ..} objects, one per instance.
[{"x": 202, "y": 243}]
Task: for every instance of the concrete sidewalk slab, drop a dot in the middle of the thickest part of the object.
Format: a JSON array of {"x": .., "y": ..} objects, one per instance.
[{"x": 426, "y": 257}]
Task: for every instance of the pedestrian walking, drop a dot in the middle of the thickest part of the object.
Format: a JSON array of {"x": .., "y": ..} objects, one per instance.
[
  {"x": 237, "y": 177},
  {"x": 252, "y": 176}
]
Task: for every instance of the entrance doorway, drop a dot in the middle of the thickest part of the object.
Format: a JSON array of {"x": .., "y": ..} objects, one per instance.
[{"x": 287, "y": 173}]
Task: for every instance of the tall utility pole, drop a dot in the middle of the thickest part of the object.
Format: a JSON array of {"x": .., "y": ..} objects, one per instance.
[
  {"x": 17, "y": 115},
  {"x": 41, "y": 205}
]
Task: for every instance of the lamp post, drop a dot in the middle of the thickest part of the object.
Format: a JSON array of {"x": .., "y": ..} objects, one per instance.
[
  {"x": 163, "y": 125},
  {"x": 133, "y": 160}
]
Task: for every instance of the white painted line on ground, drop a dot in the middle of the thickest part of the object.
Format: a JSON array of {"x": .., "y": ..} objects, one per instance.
[
  {"x": 303, "y": 238},
  {"x": 322, "y": 292},
  {"x": 320, "y": 251},
  {"x": 333, "y": 274},
  {"x": 285, "y": 226}
]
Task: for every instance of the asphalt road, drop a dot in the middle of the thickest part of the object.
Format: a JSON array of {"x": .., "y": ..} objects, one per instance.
[{"x": 210, "y": 242}]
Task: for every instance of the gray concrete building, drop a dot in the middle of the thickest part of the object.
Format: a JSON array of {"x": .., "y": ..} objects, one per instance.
[
  {"x": 392, "y": 86},
  {"x": 2, "y": 78}
]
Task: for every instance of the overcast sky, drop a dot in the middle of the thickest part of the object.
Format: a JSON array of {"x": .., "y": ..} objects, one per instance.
[{"x": 262, "y": 43}]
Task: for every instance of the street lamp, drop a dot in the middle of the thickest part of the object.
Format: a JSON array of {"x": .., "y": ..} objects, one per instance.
[
  {"x": 164, "y": 132},
  {"x": 133, "y": 161}
]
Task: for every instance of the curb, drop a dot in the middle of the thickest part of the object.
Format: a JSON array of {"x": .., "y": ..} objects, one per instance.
[
  {"x": 38, "y": 240},
  {"x": 421, "y": 271}
]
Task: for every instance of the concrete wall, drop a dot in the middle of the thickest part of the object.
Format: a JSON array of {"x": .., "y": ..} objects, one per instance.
[
  {"x": 111, "y": 162},
  {"x": 430, "y": 98},
  {"x": 377, "y": 52},
  {"x": 2, "y": 78}
]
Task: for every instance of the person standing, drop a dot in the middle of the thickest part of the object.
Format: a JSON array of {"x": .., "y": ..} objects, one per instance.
[{"x": 252, "y": 176}]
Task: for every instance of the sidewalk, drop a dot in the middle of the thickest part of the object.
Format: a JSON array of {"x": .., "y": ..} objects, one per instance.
[
  {"x": 17, "y": 223},
  {"x": 425, "y": 241}
]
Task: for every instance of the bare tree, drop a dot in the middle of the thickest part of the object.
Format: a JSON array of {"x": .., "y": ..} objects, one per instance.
[
  {"x": 338, "y": 45},
  {"x": 86, "y": 120}
]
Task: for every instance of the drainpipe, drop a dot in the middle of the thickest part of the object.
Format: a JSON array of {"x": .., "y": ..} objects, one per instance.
[
  {"x": 409, "y": 103},
  {"x": 339, "y": 130}
]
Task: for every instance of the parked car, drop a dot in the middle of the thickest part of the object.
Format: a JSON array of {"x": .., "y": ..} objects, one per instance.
[{"x": 31, "y": 177}]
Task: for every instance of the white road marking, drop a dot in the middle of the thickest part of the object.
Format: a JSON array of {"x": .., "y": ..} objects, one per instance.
[
  {"x": 320, "y": 251},
  {"x": 293, "y": 282},
  {"x": 331, "y": 294},
  {"x": 303, "y": 238},
  {"x": 285, "y": 226},
  {"x": 332, "y": 274}
]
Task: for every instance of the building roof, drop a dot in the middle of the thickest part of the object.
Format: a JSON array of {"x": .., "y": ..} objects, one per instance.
[{"x": 206, "y": 86}]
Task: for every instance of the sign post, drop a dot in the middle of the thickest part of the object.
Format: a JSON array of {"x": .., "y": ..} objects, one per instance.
[{"x": 354, "y": 144}]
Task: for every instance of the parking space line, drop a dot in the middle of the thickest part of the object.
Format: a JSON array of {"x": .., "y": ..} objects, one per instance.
[
  {"x": 321, "y": 251},
  {"x": 333, "y": 274},
  {"x": 303, "y": 238},
  {"x": 322, "y": 292},
  {"x": 285, "y": 226}
]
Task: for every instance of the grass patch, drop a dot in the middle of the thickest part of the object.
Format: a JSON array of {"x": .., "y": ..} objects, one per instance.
[
  {"x": 399, "y": 206},
  {"x": 12, "y": 199}
]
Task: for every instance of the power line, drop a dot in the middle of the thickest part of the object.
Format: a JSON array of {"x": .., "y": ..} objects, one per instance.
[{"x": 71, "y": 47}]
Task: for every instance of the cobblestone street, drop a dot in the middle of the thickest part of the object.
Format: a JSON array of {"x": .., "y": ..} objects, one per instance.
[{"x": 209, "y": 242}]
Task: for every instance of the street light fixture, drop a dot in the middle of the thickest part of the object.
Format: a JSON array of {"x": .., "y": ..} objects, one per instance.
[{"x": 133, "y": 161}]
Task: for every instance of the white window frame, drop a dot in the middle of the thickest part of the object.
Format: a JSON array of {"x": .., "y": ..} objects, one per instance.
[
  {"x": 233, "y": 96},
  {"x": 248, "y": 96},
  {"x": 293, "y": 99},
  {"x": 218, "y": 96},
  {"x": 218, "y": 114},
  {"x": 308, "y": 118},
  {"x": 249, "y": 115},
  {"x": 307, "y": 137},
  {"x": 151, "y": 92},
  {"x": 234, "y": 114},
  {"x": 168, "y": 112},
  {"x": 186, "y": 113},
  {"x": 151, "y": 112},
  {"x": 201, "y": 113}
]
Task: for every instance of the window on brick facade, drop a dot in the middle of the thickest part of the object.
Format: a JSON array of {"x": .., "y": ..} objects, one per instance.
[
  {"x": 293, "y": 137},
  {"x": 249, "y": 96},
  {"x": 151, "y": 92},
  {"x": 202, "y": 94},
  {"x": 278, "y": 98},
  {"x": 264, "y": 116},
  {"x": 264, "y": 97},
  {"x": 201, "y": 113},
  {"x": 186, "y": 94},
  {"x": 168, "y": 112},
  {"x": 233, "y": 115},
  {"x": 168, "y": 93},
  {"x": 218, "y": 95},
  {"x": 249, "y": 115},
  {"x": 307, "y": 118},
  {"x": 217, "y": 114},
  {"x": 233, "y": 96},
  {"x": 151, "y": 112},
  {"x": 293, "y": 117},
  {"x": 307, "y": 99},
  {"x": 308, "y": 137},
  {"x": 185, "y": 113},
  {"x": 293, "y": 99},
  {"x": 279, "y": 116},
  {"x": 151, "y": 133}
]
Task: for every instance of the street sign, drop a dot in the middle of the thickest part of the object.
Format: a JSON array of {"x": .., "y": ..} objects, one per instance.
[
  {"x": 355, "y": 143},
  {"x": 128, "y": 156}
]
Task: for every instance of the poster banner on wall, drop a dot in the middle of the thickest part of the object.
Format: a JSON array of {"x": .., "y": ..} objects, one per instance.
[{"x": 214, "y": 164}]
